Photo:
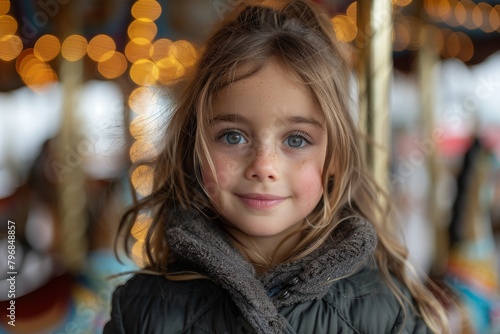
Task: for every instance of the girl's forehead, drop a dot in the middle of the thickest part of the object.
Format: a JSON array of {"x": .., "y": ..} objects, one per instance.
[{"x": 270, "y": 92}]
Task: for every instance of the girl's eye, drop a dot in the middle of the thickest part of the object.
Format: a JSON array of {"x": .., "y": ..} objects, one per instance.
[
  {"x": 233, "y": 138},
  {"x": 297, "y": 140}
]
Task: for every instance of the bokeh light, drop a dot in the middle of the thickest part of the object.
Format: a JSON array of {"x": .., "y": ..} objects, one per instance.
[
  {"x": 4, "y": 6},
  {"x": 453, "y": 45},
  {"x": 137, "y": 253},
  {"x": 113, "y": 65},
  {"x": 137, "y": 128},
  {"x": 10, "y": 47},
  {"x": 74, "y": 47},
  {"x": 141, "y": 100},
  {"x": 24, "y": 57},
  {"x": 100, "y": 46},
  {"x": 47, "y": 47},
  {"x": 160, "y": 49},
  {"x": 147, "y": 9},
  {"x": 138, "y": 48},
  {"x": 477, "y": 16},
  {"x": 443, "y": 10},
  {"x": 142, "y": 28},
  {"x": 142, "y": 179},
  {"x": 466, "y": 47},
  {"x": 460, "y": 13},
  {"x": 142, "y": 150},
  {"x": 351, "y": 11},
  {"x": 8, "y": 25},
  {"x": 494, "y": 17},
  {"x": 144, "y": 72},
  {"x": 141, "y": 226},
  {"x": 485, "y": 10},
  {"x": 170, "y": 70},
  {"x": 345, "y": 28},
  {"x": 36, "y": 74},
  {"x": 184, "y": 52}
]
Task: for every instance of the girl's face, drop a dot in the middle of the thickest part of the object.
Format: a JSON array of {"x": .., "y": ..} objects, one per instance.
[{"x": 268, "y": 145}]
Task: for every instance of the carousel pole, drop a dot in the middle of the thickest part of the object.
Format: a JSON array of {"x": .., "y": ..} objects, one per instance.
[
  {"x": 374, "y": 42},
  {"x": 427, "y": 62},
  {"x": 72, "y": 198}
]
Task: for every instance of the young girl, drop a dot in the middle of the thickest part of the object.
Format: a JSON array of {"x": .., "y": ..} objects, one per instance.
[{"x": 263, "y": 217}]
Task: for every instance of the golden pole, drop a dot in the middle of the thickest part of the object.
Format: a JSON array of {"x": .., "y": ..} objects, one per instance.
[
  {"x": 374, "y": 41},
  {"x": 427, "y": 61},
  {"x": 72, "y": 196}
]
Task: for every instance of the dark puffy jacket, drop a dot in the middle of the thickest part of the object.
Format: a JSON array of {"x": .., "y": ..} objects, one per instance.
[
  {"x": 324, "y": 292},
  {"x": 361, "y": 303}
]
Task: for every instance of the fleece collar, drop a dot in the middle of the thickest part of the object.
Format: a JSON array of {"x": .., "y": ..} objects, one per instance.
[{"x": 203, "y": 244}]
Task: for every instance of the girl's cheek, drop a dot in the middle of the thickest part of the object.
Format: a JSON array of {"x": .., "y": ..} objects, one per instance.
[
  {"x": 310, "y": 184},
  {"x": 225, "y": 169}
]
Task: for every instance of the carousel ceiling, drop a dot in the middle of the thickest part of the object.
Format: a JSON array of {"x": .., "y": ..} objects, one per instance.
[{"x": 124, "y": 39}]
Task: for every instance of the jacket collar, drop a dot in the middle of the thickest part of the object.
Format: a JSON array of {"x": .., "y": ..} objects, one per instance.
[{"x": 203, "y": 244}]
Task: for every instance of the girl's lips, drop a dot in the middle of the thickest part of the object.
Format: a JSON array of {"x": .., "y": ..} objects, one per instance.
[{"x": 261, "y": 201}]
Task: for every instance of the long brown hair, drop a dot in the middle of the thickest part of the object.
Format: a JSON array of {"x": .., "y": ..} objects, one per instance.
[{"x": 299, "y": 36}]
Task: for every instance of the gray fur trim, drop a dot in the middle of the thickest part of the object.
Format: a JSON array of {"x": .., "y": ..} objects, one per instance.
[{"x": 204, "y": 245}]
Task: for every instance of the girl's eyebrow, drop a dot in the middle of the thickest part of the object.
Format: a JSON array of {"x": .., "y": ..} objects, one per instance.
[{"x": 234, "y": 118}]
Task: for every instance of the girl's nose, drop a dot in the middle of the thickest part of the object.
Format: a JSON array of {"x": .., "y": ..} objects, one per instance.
[{"x": 263, "y": 165}]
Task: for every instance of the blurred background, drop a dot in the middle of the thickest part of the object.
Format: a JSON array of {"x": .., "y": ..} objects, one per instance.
[{"x": 84, "y": 89}]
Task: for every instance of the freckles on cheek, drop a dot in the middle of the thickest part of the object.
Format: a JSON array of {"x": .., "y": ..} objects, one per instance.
[{"x": 225, "y": 169}]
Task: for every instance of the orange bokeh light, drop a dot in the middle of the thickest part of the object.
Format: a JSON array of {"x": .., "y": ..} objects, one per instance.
[
  {"x": 160, "y": 49},
  {"x": 142, "y": 28},
  {"x": 10, "y": 47},
  {"x": 100, "y": 46},
  {"x": 494, "y": 17},
  {"x": 170, "y": 70},
  {"x": 8, "y": 25},
  {"x": 4, "y": 6},
  {"x": 24, "y": 57},
  {"x": 138, "y": 48},
  {"x": 141, "y": 100},
  {"x": 142, "y": 180},
  {"x": 460, "y": 13},
  {"x": 352, "y": 11},
  {"x": 142, "y": 150},
  {"x": 141, "y": 226},
  {"x": 47, "y": 47},
  {"x": 147, "y": 9},
  {"x": 136, "y": 127},
  {"x": 184, "y": 52},
  {"x": 144, "y": 72},
  {"x": 466, "y": 47},
  {"x": 74, "y": 47},
  {"x": 114, "y": 65},
  {"x": 345, "y": 28}
]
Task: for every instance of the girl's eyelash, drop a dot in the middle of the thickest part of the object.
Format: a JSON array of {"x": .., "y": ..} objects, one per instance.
[
  {"x": 302, "y": 134},
  {"x": 225, "y": 132}
]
